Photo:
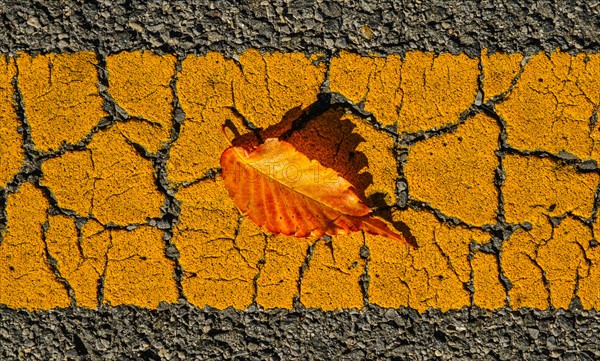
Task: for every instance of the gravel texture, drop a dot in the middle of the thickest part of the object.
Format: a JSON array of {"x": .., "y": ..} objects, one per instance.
[
  {"x": 182, "y": 332},
  {"x": 312, "y": 26}
]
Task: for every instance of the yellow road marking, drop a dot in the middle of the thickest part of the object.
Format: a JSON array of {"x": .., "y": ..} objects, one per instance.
[{"x": 546, "y": 101}]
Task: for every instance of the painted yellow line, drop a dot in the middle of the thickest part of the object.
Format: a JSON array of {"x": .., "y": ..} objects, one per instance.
[{"x": 547, "y": 102}]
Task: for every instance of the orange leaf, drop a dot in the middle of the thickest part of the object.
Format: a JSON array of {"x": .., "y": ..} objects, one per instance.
[{"x": 284, "y": 191}]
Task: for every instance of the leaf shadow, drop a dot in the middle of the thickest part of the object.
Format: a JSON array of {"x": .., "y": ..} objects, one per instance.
[
  {"x": 386, "y": 213},
  {"x": 323, "y": 131}
]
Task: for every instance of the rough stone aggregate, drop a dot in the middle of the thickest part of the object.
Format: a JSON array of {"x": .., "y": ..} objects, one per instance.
[
  {"x": 230, "y": 26},
  {"x": 184, "y": 332}
]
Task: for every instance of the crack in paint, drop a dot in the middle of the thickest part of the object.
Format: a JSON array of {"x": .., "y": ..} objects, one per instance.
[
  {"x": 171, "y": 209},
  {"x": 53, "y": 264},
  {"x": 259, "y": 266},
  {"x": 101, "y": 280},
  {"x": 297, "y": 302},
  {"x": 500, "y": 232},
  {"x": 364, "y": 279}
]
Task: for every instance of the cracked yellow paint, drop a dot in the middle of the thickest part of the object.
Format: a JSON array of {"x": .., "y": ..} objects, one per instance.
[
  {"x": 26, "y": 279},
  {"x": 454, "y": 172},
  {"x": 372, "y": 80},
  {"x": 519, "y": 266},
  {"x": 350, "y": 75},
  {"x": 206, "y": 96},
  {"x": 432, "y": 275},
  {"x": 61, "y": 98},
  {"x": 546, "y": 272},
  {"x": 537, "y": 188},
  {"x": 378, "y": 148},
  {"x": 219, "y": 262},
  {"x": 542, "y": 263},
  {"x": 109, "y": 181},
  {"x": 270, "y": 85},
  {"x": 489, "y": 292},
  {"x": 423, "y": 92},
  {"x": 139, "y": 82},
  {"x": 331, "y": 280},
  {"x": 437, "y": 89},
  {"x": 137, "y": 271},
  {"x": 125, "y": 189},
  {"x": 80, "y": 256},
  {"x": 589, "y": 292},
  {"x": 353, "y": 148},
  {"x": 384, "y": 98},
  {"x": 499, "y": 72},
  {"x": 551, "y": 106},
  {"x": 70, "y": 177},
  {"x": 212, "y": 90},
  {"x": 111, "y": 244},
  {"x": 277, "y": 284},
  {"x": 11, "y": 154},
  {"x": 563, "y": 260}
]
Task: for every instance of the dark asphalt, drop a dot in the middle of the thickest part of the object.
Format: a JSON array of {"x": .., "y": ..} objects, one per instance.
[
  {"x": 186, "y": 333},
  {"x": 301, "y": 25},
  {"x": 181, "y": 332}
]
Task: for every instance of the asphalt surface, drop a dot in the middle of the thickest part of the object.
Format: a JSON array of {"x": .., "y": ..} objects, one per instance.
[
  {"x": 310, "y": 26},
  {"x": 178, "y": 332},
  {"x": 186, "y": 333}
]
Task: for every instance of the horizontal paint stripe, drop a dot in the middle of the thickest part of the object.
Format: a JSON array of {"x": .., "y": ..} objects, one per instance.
[{"x": 110, "y": 192}]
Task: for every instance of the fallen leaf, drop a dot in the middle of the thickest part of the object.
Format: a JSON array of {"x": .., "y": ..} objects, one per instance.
[{"x": 286, "y": 192}]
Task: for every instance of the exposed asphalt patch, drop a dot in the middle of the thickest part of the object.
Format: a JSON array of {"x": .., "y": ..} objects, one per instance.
[
  {"x": 182, "y": 332},
  {"x": 109, "y": 26}
]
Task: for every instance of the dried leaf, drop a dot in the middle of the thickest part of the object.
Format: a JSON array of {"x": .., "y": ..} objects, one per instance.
[{"x": 284, "y": 191}]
